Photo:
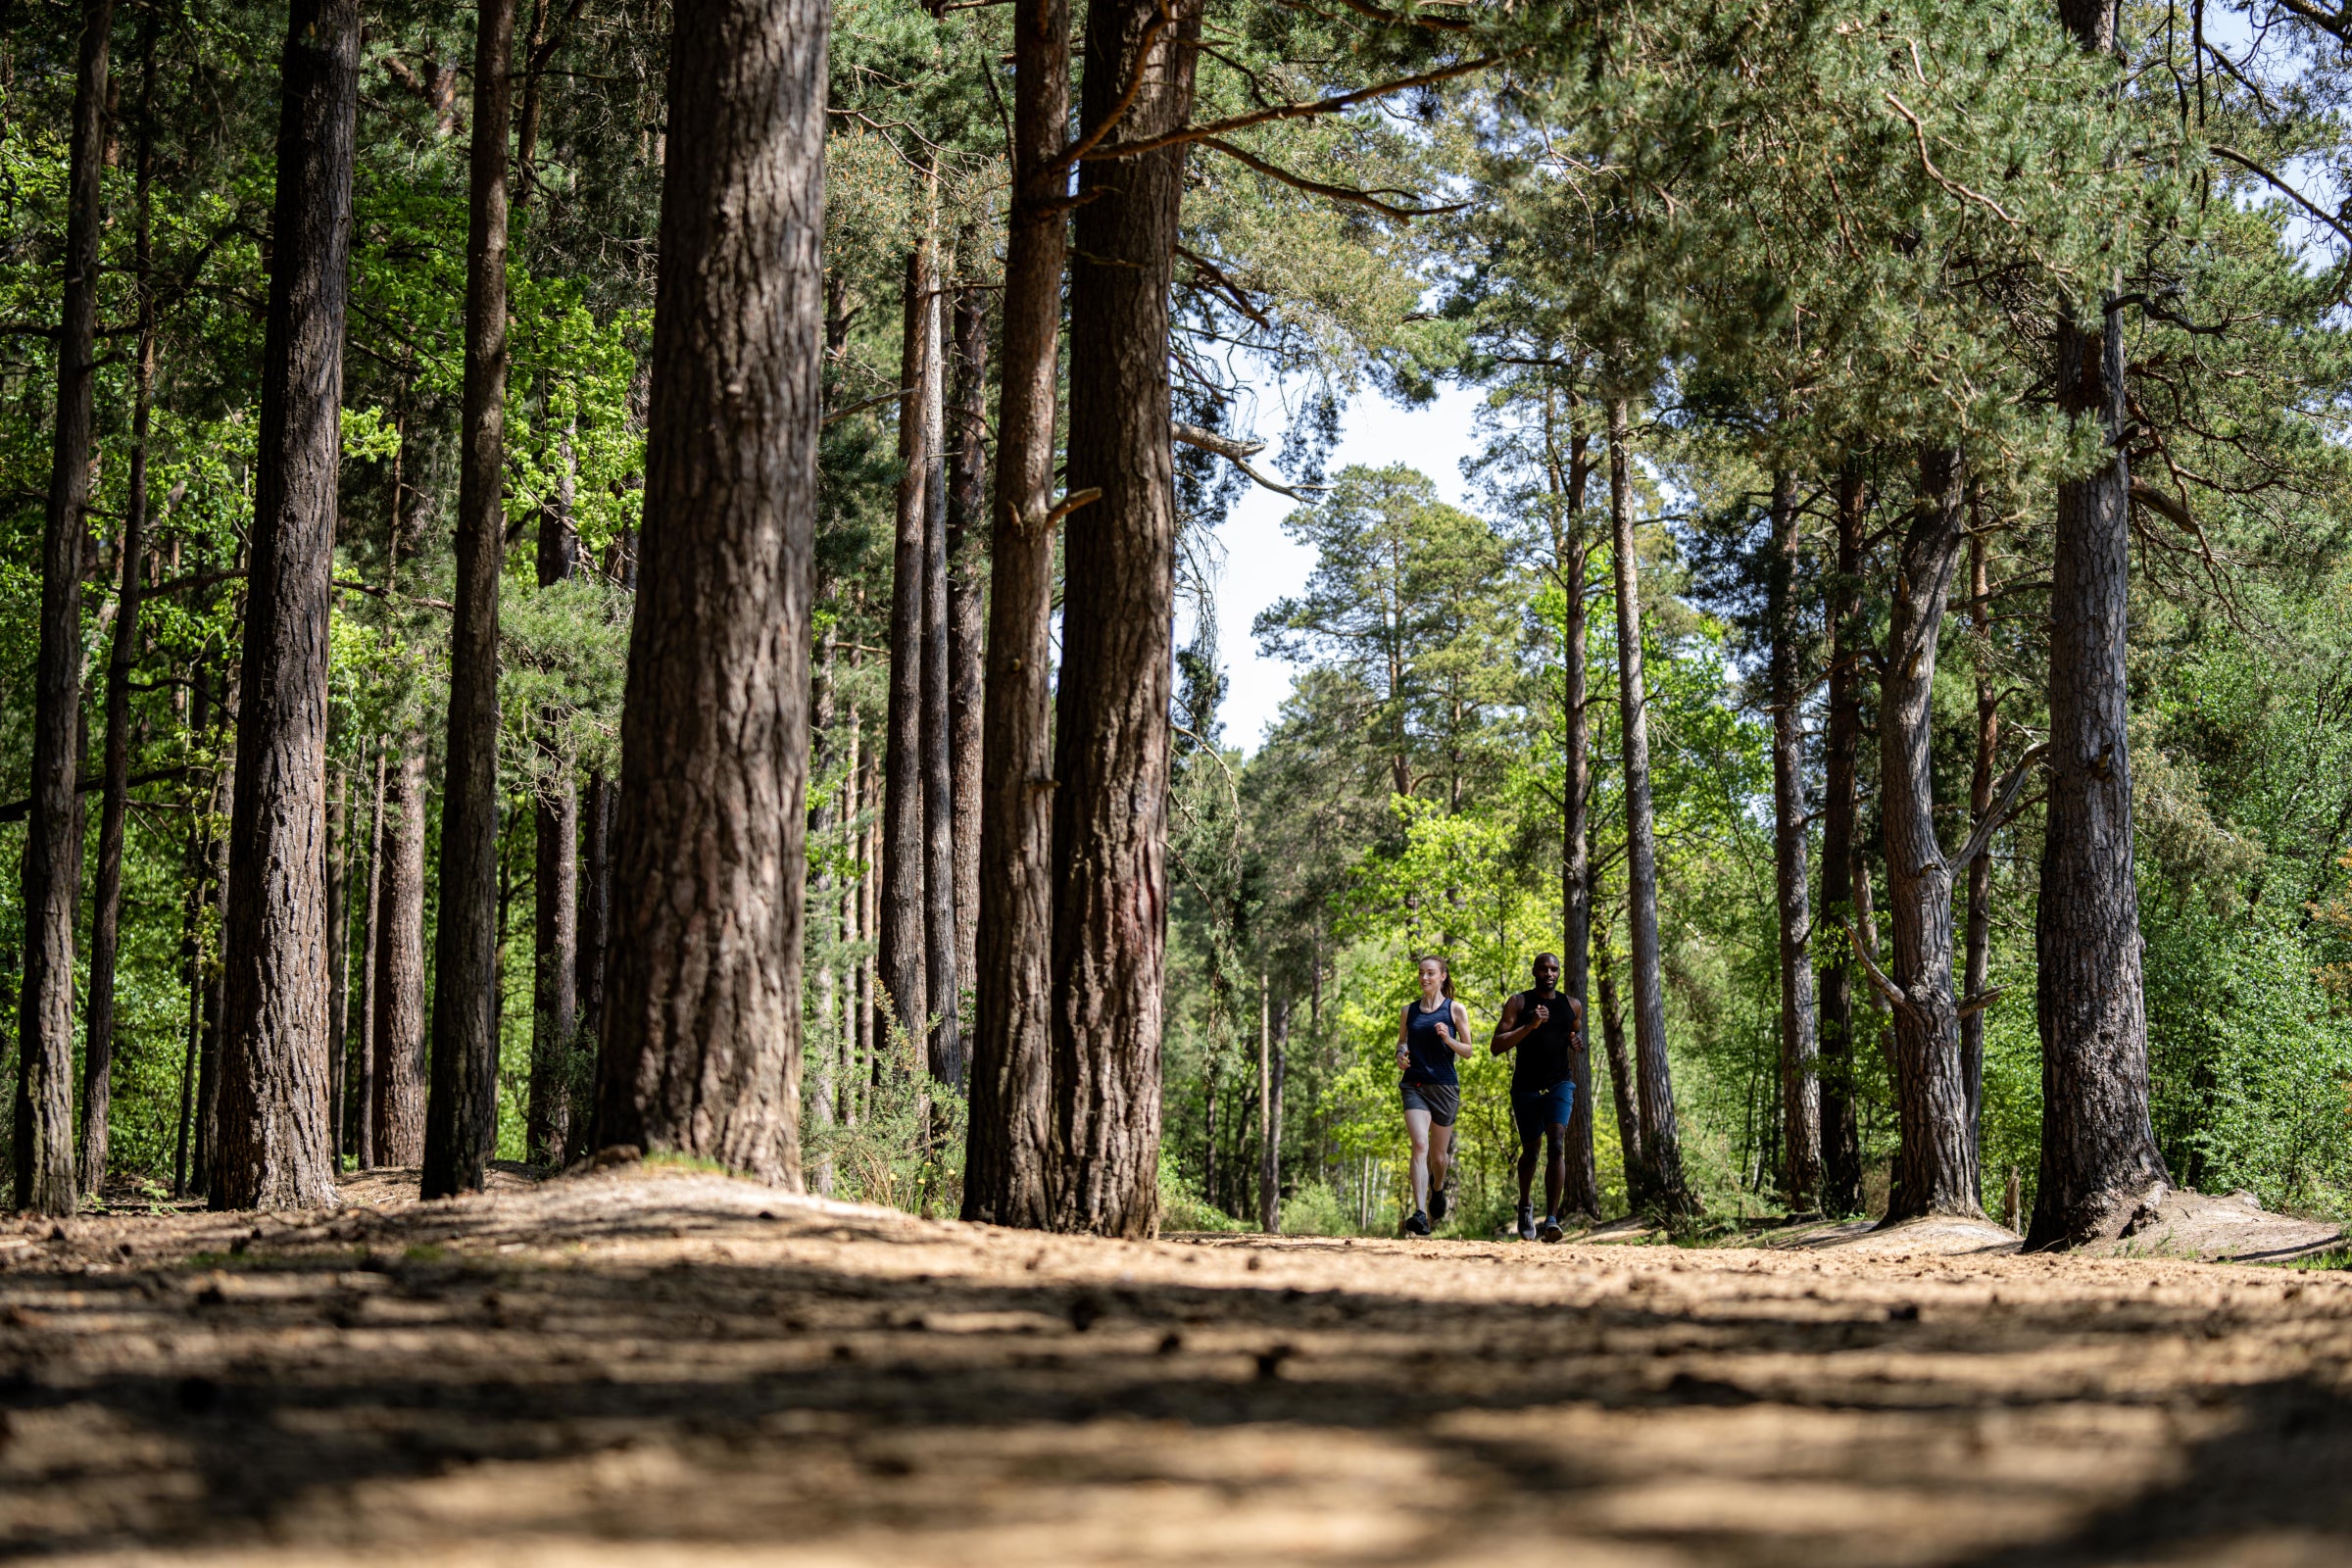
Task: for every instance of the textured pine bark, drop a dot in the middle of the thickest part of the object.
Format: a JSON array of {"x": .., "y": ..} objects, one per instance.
[
  {"x": 968, "y": 536},
  {"x": 1938, "y": 1171},
  {"x": 905, "y": 975},
  {"x": 399, "y": 1124},
  {"x": 1661, "y": 1137},
  {"x": 1111, "y": 729},
  {"x": 1011, "y": 1100},
  {"x": 942, "y": 983},
  {"x": 106, "y": 921},
  {"x": 51, "y": 868},
  {"x": 1978, "y": 964},
  {"x": 702, "y": 1043},
  {"x": 2098, "y": 1147},
  {"x": 272, "y": 1150},
  {"x": 1841, "y": 1128},
  {"x": 460, "y": 1115},
  {"x": 1800, "y": 1068},
  {"x": 338, "y": 956},
  {"x": 556, "y": 908}
]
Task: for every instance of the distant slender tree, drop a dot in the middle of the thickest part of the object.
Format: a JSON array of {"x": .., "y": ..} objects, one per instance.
[
  {"x": 1841, "y": 1130},
  {"x": 273, "y": 1149},
  {"x": 941, "y": 980},
  {"x": 701, "y": 1043},
  {"x": 1111, "y": 729},
  {"x": 904, "y": 974},
  {"x": 556, "y": 872},
  {"x": 1800, "y": 1074},
  {"x": 398, "y": 1130},
  {"x": 967, "y": 539},
  {"x": 98, "y": 1053},
  {"x": 1661, "y": 1137}
]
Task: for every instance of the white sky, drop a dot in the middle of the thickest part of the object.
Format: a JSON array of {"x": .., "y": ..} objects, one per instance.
[{"x": 1261, "y": 564}]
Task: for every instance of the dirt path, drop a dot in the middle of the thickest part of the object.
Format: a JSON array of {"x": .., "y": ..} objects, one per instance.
[{"x": 668, "y": 1368}]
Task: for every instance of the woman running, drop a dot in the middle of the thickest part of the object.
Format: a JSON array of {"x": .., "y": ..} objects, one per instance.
[{"x": 1433, "y": 1032}]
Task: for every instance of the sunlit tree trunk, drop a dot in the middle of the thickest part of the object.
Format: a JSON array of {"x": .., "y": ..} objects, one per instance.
[
  {"x": 1111, "y": 719},
  {"x": 556, "y": 878},
  {"x": 1011, "y": 1101},
  {"x": 942, "y": 982},
  {"x": 905, "y": 975},
  {"x": 701, "y": 1043},
  {"x": 967, "y": 535},
  {"x": 1978, "y": 967},
  {"x": 272, "y": 1150},
  {"x": 399, "y": 1124}
]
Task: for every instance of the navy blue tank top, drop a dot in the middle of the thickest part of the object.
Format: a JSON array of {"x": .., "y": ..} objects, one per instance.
[{"x": 1432, "y": 1059}]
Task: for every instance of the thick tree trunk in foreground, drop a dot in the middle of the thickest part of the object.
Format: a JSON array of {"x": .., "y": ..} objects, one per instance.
[
  {"x": 106, "y": 923},
  {"x": 941, "y": 980},
  {"x": 1938, "y": 1171},
  {"x": 1977, "y": 966},
  {"x": 399, "y": 1126},
  {"x": 2098, "y": 1148},
  {"x": 555, "y": 902},
  {"x": 967, "y": 534},
  {"x": 1800, "y": 1068},
  {"x": 701, "y": 1046},
  {"x": 274, "y": 1149},
  {"x": 1661, "y": 1139},
  {"x": 1111, "y": 730},
  {"x": 52, "y": 862},
  {"x": 461, "y": 1115},
  {"x": 905, "y": 975},
  {"x": 2098, "y": 1151},
  {"x": 1841, "y": 1130},
  {"x": 1012, "y": 1103}
]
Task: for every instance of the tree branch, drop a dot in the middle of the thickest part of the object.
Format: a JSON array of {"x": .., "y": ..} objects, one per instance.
[
  {"x": 1344, "y": 193},
  {"x": 1877, "y": 976},
  {"x": 2002, "y": 799},
  {"x": 1234, "y": 452},
  {"x": 2282, "y": 188},
  {"x": 1322, "y": 106}
]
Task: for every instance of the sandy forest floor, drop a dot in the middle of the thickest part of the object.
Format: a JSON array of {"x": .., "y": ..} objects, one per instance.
[{"x": 663, "y": 1367}]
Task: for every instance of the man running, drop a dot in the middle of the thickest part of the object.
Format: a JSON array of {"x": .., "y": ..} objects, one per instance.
[{"x": 1543, "y": 1026}]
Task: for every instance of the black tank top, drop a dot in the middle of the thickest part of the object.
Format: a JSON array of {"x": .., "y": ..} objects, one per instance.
[
  {"x": 1541, "y": 1058},
  {"x": 1432, "y": 1059}
]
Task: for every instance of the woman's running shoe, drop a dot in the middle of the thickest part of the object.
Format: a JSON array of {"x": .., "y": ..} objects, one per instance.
[
  {"x": 1527, "y": 1222},
  {"x": 1418, "y": 1225}
]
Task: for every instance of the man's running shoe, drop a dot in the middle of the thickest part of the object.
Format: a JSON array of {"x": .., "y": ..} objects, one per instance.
[
  {"x": 1437, "y": 1206},
  {"x": 1527, "y": 1222},
  {"x": 1549, "y": 1230},
  {"x": 1418, "y": 1225}
]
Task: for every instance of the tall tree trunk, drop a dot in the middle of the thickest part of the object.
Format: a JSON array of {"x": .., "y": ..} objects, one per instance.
[
  {"x": 363, "y": 1113},
  {"x": 1621, "y": 1067},
  {"x": 1977, "y": 971},
  {"x": 2098, "y": 1147},
  {"x": 555, "y": 873},
  {"x": 967, "y": 533},
  {"x": 1007, "y": 1146},
  {"x": 1269, "y": 1135},
  {"x": 1938, "y": 1171},
  {"x": 905, "y": 975},
  {"x": 1800, "y": 1080},
  {"x": 461, "y": 1112},
  {"x": 593, "y": 931},
  {"x": 702, "y": 1045},
  {"x": 106, "y": 923},
  {"x": 1111, "y": 729},
  {"x": 823, "y": 918},
  {"x": 1571, "y": 560},
  {"x": 219, "y": 858},
  {"x": 941, "y": 980},
  {"x": 1841, "y": 1131},
  {"x": 398, "y": 1130},
  {"x": 1661, "y": 1140},
  {"x": 52, "y": 861},
  {"x": 274, "y": 1149}
]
